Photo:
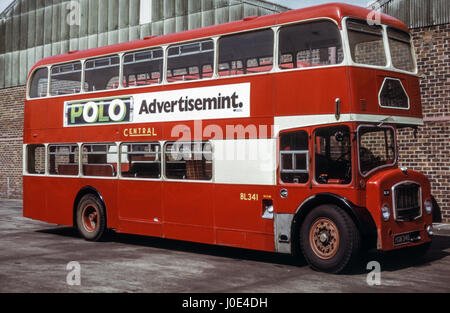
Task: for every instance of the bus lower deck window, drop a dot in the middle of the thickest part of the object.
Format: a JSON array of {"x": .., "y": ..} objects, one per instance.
[
  {"x": 140, "y": 160},
  {"x": 294, "y": 157},
  {"x": 99, "y": 159},
  {"x": 63, "y": 159},
  {"x": 36, "y": 159},
  {"x": 188, "y": 160}
]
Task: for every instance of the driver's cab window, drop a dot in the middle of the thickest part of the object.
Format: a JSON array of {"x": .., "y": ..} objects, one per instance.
[
  {"x": 294, "y": 167},
  {"x": 333, "y": 164}
]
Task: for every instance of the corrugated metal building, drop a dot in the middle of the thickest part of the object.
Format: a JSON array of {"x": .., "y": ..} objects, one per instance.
[
  {"x": 33, "y": 29},
  {"x": 416, "y": 13}
]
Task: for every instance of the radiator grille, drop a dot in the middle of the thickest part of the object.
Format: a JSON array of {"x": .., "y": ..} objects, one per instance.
[{"x": 407, "y": 201}]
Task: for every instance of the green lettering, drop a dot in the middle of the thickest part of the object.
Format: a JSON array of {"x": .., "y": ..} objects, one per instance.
[
  {"x": 102, "y": 118},
  {"x": 75, "y": 112}
]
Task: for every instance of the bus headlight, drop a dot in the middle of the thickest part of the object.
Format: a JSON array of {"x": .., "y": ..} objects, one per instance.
[
  {"x": 385, "y": 212},
  {"x": 428, "y": 206}
]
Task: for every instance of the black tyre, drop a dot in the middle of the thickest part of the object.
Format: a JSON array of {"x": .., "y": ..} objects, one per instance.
[
  {"x": 91, "y": 218},
  {"x": 329, "y": 239}
]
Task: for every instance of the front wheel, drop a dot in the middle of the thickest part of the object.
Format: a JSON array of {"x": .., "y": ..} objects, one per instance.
[
  {"x": 329, "y": 239},
  {"x": 91, "y": 218}
]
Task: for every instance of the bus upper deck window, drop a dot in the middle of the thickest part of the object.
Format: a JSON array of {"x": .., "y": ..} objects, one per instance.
[
  {"x": 310, "y": 44},
  {"x": 65, "y": 79},
  {"x": 401, "y": 52},
  {"x": 366, "y": 43},
  {"x": 190, "y": 61},
  {"x": 142, "y": 68},
  {"x": 102, "y": 73},
  {"x": 246, "y": 53},
  {"x": 39, "y": 83}
]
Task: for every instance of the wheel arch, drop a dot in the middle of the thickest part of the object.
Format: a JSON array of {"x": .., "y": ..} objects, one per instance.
[{"x": 360, "y": 216}]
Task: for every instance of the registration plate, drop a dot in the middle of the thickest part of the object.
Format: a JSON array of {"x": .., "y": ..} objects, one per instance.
[{"x": 405, "y": 238}]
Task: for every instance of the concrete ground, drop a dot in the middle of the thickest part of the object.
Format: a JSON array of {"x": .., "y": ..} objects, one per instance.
[{"x": 34, "y": 258}]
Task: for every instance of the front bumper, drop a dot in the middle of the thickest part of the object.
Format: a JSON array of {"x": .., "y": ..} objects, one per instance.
[{"x": 396, "y": 235}]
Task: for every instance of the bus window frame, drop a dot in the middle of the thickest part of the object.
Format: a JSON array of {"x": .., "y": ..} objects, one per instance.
[
  {"x": 411, "y": 46},
  {"x": 404, "y": 90},
  {"x": 352, "y": 152},
  {"x": 30, "y": 79},
  {"x": 389, "y": 66},
  {"x": 119, "y": 55},
  {"x": 122, "y": 64},
  {"x": 119, "y": 169},
  {"x": 81, "y": 77},
  {"x": 164, "y": 168},
  {"x": 262, "y": 29},
  {"x": 275, "y": 68},
  {"x": 25, "y": 160},
  {"x": 81, "y": 146},
  {"x": 309, "y": 158},
  {"x": 396, "y": 152},
  {"x": 347, "y": 60},
  {"x": 179, "y": 44},
  {"x": 47, "y": 152},
  {"x": 344, "y": 44}
]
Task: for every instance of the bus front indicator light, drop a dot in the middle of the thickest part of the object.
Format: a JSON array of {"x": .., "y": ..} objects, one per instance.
[{"x": 385, "y": 212}]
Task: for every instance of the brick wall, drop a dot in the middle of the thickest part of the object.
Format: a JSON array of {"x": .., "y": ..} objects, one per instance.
[
  {"x": 11, "y": 130},
  {"x": 429, "y": 152}
]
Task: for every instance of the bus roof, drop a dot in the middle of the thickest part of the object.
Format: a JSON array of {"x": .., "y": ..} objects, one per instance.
[{"x": 334, "y": 11}]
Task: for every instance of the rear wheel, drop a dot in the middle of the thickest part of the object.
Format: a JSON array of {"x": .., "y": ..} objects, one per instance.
[
  {"x": 329, "y": 239},
  {"x": 91, "y": 218}
]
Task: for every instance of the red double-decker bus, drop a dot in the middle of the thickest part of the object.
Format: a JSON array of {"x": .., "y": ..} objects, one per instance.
[{"x": 274, "y": 133}]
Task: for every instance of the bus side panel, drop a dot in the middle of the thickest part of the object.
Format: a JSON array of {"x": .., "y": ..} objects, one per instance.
[
  {"x": 139, "y": 205},
  {"x": 107, "y": 188},
  {"x": 367, "y": 83},
  {"x": 34, "y": 190},
  {"x": 35, "y": 116},
  {"x": 188, "y": 211},
  {"x": 60, "y": 196},
  {"x": 311, "y": 91},
  {"x": 238, "y": 209}
]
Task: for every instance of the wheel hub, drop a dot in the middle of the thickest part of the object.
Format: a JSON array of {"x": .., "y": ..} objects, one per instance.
[
  {"x": 90, "y": 218},
  {"x": 324, "y": 238}
]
